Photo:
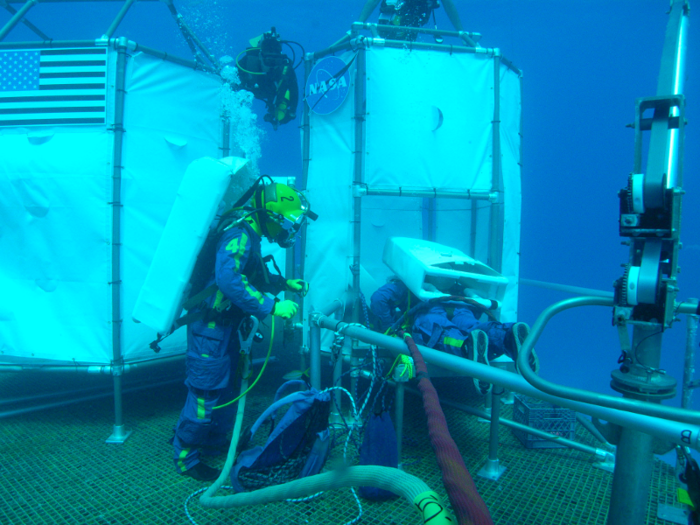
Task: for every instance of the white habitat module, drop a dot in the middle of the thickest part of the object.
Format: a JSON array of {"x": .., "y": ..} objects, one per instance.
[
  {"x": 201, "y": 191},
  {"x": 429, "y": 269}
]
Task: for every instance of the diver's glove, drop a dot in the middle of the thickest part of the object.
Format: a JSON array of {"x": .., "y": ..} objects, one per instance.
[
  {"x": 298, "y": 285},
  {"x": 285, "y": 309}
]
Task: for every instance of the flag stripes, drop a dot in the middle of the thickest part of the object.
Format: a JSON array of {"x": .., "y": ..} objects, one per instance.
[{"x": 53, "y": 86}]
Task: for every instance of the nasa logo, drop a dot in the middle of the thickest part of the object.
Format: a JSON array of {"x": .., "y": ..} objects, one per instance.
[{"x": 327, "y": 85}]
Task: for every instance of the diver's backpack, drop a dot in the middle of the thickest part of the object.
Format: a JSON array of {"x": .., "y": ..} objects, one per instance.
[{"x": 297, "y": 446}]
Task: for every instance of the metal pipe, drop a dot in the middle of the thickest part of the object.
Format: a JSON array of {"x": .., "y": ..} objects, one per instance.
[
  {"x": 576, "y": 290},
  {"x": 588, "y": 425},
  {"x": 398, "y": 416},
  {"x": 315, "y": 356},
  {"x": 635, "y": 450},
  {"x": 177, "y": 17},
  {"x": 583, "y": 396},
  {"x": 358, "y": 26},
  {"x": 496, "y": 392},
  {"x": 225, "y": 137},
  {"x": 70, "y": 1},
  {"x": 360, "y": 74},
  {"x": 445, "y": 48},
  {"x": 601, "y": 454},
  {"x": 20, "y": 411},
  {"x": 689, "y": 368},
  {"x": 430, "y": 193},
  {"x": 690, "y": 306},
  {"x": 18, "y": 16},
  {"x": 191, "y": 39},
  {"x": 343, "y": 44},
  {"x": 49, "y": 44},
  {"x": 337, "y": 406},
  {"x": 118, "y": 129},
  {"x": 27, "y": 23},
  {"x": 672, "y": 79},
  {"x": 306, "y": 127},
  {"x": 662, "y": 156},
  {"x": 684, "y": 434},
  {"x": 118, "y": 20},
  {"x": 497, "y": 208},
  {"x": 170, "y": 58},
  {"x": 632, "y": 478}
]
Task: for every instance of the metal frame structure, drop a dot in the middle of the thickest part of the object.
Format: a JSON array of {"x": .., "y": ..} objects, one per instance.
[
  {"x": 204, "y": 61},
  {"x": 645, "y": 297},
  {"x": 358, "y": 39}
]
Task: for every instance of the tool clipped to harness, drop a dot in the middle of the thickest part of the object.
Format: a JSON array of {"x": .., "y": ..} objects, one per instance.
[{"x": 248, "y": 333}]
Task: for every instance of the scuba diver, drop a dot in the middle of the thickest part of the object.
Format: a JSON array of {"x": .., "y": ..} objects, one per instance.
[
  {"x": 409, "y": 13},
  {"x": 269, "y": 74},
  {"x": 449, "y": 324},
  {"x": 232, "y": 289}
]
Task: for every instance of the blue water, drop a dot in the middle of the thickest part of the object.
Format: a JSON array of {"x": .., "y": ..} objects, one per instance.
[{"x": 584, "y": 62}]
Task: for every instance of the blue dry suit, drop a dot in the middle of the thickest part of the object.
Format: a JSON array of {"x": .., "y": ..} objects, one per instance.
[
  {"x": 442, "y": 326},
  {"x": 212, "y": 345}
]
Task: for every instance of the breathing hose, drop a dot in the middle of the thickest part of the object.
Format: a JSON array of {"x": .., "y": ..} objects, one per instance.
[
  {"x": 466, "y": 501},
  {"x": 391, "y": 479},
  {"x": 387, "y": 478}
]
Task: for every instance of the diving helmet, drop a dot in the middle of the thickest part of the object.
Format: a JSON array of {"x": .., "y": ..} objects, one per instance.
[{"x": 281, "y": 212}]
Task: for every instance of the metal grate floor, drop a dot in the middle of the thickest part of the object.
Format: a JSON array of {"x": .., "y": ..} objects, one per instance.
[{"x": 55, "y": 467}]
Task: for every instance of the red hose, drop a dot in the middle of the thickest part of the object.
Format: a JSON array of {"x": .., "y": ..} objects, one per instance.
[{"x": 466, "y": 502}]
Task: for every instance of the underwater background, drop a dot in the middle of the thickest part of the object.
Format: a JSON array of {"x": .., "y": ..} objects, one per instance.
[{"x": 584, "y": 64}]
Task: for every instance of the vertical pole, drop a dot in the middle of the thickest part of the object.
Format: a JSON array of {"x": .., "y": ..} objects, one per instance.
[
  {"x": 305, "y": 158},
  {"x": 119, "y": 435},
  {"x": 492, "y": 469},
  {"x": 398, "y": 416},
  {"x": 635, "y": 450},
  {"x": 306, "y": 128},
  {"x": 225, "y": 137},
  {"x": 689, "y": 368},
  {"x": 315, "y": 354},
  {"x": 496, "y": 219},
  {"x": 360, "y": 109},
  {"x": 496, "y": 392}
]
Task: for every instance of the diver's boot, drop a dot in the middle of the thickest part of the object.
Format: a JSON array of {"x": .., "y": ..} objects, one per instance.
[
  {"x": 520, "y": 332},
  {"x": 477, "y": 346},
  {"x": 202, "y": 472}
]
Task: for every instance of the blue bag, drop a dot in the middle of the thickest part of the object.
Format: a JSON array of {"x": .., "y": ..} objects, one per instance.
[
  {"x": 297, "y": 446},
  {"x": 379, "y": 447}
]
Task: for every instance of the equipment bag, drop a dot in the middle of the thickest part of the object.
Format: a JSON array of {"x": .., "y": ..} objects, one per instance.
[
  {"x": 297, "y": 446},
  {"x": 379, "y": 447}
]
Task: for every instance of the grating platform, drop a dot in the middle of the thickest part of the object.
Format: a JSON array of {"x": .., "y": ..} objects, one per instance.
[{"x": 55, "y": 467}]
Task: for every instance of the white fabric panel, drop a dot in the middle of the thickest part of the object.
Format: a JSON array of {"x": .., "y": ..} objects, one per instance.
[
  {"x": 453, "y": 224},
  {"x": 510, "y": 160},
  {"x": 329, "y": 190},
  {"x": 171, "y": 118},
  {"x": 382, "y": 218},
  {"x": 404, "y": 92},
  {"x": 55, "y": 241},
  {"x": 402, "y": 151},
  {"x": 56, "y": 233}
]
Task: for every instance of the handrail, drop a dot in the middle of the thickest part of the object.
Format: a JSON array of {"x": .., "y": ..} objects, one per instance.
[
  {"x": 683, "y": 434},
  {"x": 585, "y": 396}
]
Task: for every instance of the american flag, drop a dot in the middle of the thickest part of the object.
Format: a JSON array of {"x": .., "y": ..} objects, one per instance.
[{"x": 40, "y": 87}]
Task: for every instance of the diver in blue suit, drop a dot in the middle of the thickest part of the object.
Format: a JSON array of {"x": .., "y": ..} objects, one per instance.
[
  {"x": 450, "y": 326},
  {"x": 238, "y": 283}
]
